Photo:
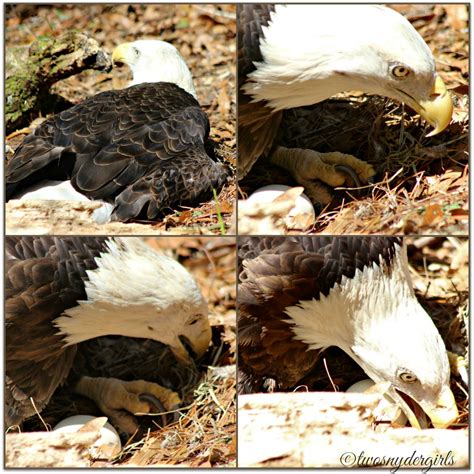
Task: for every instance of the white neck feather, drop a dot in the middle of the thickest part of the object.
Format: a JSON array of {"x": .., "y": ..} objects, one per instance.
[
  {"x": 369, "y": 307},
  {"x": 134, "y": 292},
  {"x": 95, "y": 319},
  {"x": 306, "y": 60},
  {"x": 161, "y": 62},
  {"x": 377, "y": 320}
]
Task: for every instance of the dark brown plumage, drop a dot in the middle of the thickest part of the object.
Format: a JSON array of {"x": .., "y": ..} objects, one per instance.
[
  {"x": 257, "y": 124},
  {"x": 278, "y": 272},
  {"x": 144, "y": 149},
  {"x": 43, "y": 277}
]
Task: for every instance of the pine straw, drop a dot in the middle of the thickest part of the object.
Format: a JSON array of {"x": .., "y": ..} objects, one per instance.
[
  {"x": 203, "y": 437},
  {"x": 435, "y": 204}
]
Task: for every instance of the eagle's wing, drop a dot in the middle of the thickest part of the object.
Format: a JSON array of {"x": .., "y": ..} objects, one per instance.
[
  {"x": 43, "y": 277},
  {"x": 109, "y": 142},
  {"x": 258, "y": 125},
  {"x": 277, "y": 273}
]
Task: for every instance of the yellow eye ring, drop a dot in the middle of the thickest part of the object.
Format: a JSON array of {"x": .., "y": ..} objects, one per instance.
[
  {"x": 400, "y": 71},
  {"x": 408, "y": 377}
]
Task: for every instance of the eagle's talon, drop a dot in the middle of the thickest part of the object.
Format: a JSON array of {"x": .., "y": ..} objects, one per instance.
[
  {"x": 315, "y": 171},
  {"x": 120, "y": 399},
  {"x": 175, "y": 413},
  {"x": 125, "y": 423},
  {"x": 155, "y": 405},
  {"x": 350, "y": 173}
]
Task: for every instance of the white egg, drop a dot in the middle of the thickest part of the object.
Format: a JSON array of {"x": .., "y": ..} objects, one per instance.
[
  {"x": 361, "y": 386},
  {"x": 386, "y": 410},
  {"x": 301, "y": 213},
  {"x": 107, "y": 446},
  {"x": 63, "y": 191}
]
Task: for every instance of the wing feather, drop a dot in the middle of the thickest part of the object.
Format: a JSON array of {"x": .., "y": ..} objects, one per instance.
[
  {"x": 43, "y": 277},
  {"x": 111, "y": 141}
]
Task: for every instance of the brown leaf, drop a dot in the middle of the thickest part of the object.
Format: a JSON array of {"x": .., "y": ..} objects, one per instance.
[
  {"x": 457, "y": 15},
  {"x": 433, "y": 214}
]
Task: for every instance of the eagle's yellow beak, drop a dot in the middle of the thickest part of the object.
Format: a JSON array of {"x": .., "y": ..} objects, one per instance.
[
  {"x": 438, "y": 109},
  {"x": 121, "y": 55},
  {"x": 442, "y": 414},
  {"x": 445, "y": 412}
]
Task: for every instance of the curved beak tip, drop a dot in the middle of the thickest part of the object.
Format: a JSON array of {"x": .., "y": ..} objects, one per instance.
[
  {"x": 446, "y": 411},
  {"x": 438, "y": 109}
]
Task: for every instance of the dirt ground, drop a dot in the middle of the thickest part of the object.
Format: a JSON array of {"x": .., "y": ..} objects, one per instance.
[
  {"x": 205, "y": 434},
  {"x": 204, "y": 35},
  {"x": 421, "y": 185}
]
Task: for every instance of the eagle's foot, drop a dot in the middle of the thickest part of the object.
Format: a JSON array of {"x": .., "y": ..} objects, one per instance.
[
  {"x": 120, "y": 400},
  {"x": 333, "y": 169}
]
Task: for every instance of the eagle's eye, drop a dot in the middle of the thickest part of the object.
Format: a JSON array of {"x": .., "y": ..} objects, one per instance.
[
  {"x": 136, "y": 52},
  {"x": 193, "y": 320},
  {"x": 408, "y": 377},
  {"x": 400, "y": 71}
]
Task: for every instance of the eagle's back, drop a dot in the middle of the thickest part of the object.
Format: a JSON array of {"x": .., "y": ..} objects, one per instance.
[
  {"x": 43, "y": 277},
  {"x": 135, "y": 147}
]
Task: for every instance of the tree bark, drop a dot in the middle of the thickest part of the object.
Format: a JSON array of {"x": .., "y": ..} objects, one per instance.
[
  {"x": 48, "y": 61},
  {"x": 47, "y": 449}
]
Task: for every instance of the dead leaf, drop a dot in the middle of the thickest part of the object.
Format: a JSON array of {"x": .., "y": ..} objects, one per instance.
[{"x": 433, "y": 214}]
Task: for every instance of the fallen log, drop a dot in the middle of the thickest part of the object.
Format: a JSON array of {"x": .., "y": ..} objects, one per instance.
[
  {"x": 47, "y": 449},
  {"x": 42, "y": 217},
  {"x": 322, "y": 429},
  {"x": 49, "y": 59}
]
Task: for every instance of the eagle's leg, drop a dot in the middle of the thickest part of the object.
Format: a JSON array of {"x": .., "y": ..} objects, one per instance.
[
  {"x": 309, "y": 166},
  {"x": 119, "y": 400}
]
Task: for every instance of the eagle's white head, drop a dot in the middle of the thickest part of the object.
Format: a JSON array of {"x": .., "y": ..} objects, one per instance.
[
  {"x": 154, "y": 61},
  {"x": 138, "y": 292},
  {"x": 312, "y": 52},
  {"x": 377, "y": 320}
]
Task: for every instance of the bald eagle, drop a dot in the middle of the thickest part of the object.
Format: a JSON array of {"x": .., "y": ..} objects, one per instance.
[
  {"x": 62, "y": 291},
  {"x": 297, "y": 55},
  {"x": 142, "y": 150},
  {"x": 300, "y": 295}
]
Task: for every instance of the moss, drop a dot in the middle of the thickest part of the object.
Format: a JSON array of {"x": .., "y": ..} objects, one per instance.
[{"x": 49, "y": 60}]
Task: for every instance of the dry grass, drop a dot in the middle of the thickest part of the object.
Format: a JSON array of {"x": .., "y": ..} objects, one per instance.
[{"x": 203, "y": 437}]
